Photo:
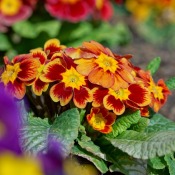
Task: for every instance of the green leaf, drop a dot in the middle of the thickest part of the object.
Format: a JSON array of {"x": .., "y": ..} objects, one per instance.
[
  {"x": 141, "y": 125},
  {"x": 35, "y": 134},
  {"x": 124, "y": 122},
  {"x": 159, "y": 123},
  {"x": 170, "y": 160},
  {"x": 25, "y": 29},
  {"x": 153, "y": 66},
  {"x": 65, "y": 129},
  {"x": 98, "y": 162},
  {"x": 157, "y": 163},
  {"x": 171, "y": 83},
  {"x": 50, "y": 27},
  {"x": 4, "y": 42},
  {"x": 86, "y": 143},
  {"x": 145, "y": 146}
]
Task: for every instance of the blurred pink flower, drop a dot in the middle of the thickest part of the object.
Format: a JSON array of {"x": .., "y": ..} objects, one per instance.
[
  {"x": 12, "y": 11},
  {"x": 70, "y": 10}
]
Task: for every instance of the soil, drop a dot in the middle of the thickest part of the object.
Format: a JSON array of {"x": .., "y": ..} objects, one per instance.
[{"x": 143, "y": 52}]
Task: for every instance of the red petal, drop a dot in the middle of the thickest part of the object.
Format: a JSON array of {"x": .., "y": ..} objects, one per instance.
[
  {"x": 29, "y": 69},
  {"x": 17, "y": 89},
  {"x": 107, "y": 129},
  {"x": 39, "y": 86},
  {"x": 139, "y": 95},
  {"x": 41, "y": 55},
  {"x": 81, "y": 97},
  {"x": 58, "y": 92},
  {"x": 111, "y": 103},
  {"x": 52, "y": 71}
]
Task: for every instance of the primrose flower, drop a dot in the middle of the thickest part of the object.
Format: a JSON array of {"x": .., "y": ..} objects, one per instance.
[
  {"x": 159, "y": 92},
  {"x": 102, "y": 66},
  {"x": 22, "y": 69},
  {"x": 70, "y": 10},
  {"x": 71, "y": 84},
  {"x": 16, "y": 10},
  {"x": 135, "y": 97},
  {"x": 103, "y": 10},
  {"x": 101, "y": 120}
]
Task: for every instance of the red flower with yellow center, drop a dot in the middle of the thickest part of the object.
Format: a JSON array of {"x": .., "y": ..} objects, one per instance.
[
  {"x": 103, "y": 68},
  {"x": 101, "y": 120},
  {"x": 72, "y": 85},
  {"x": 21, "y": 70},
  {"x": 159, "y": 92},
  {"x": 71, "y": 10},
  {"x": 135, "y": 97},
  {"x": 13, "y": 11},
  {"x": 104, "y": 10}
]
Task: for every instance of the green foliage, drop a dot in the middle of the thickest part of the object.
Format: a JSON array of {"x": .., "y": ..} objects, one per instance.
[
  {"x": 170, "y": 160},
  {"x": 153, "y": 66},
  {"x": 98, "y": 162},
  {"x": 4, "y": 42},
  {"x": 157, "y": 163},
  {"x": 124, "y": 122},
  {"x": 28, "y": 29},
  {"x": 171, "y": 83},
  {"x": 145, "y": 146}
]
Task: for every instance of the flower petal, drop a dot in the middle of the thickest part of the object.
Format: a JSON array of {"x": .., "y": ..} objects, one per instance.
[
  {"x": 139, "y": 95},
  {"x": 52, "y": 71},
  {"x": 107, "y": 129},
  {"x": 81, "y": 97},
  {"x": 41, "y": 55},
  {"x": 17, "y": 89},
  {"x": 111, "y": 103},
  {"x": 28, "y": 69},
  {"x": 58, "y": 92},
  {"x": 39, "y": 86},
  {"x": 98, "y": 76}
]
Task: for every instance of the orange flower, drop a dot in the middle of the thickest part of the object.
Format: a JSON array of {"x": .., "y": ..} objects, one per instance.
[
  {"x": 71, "y": 84},
  {"x": 134, "y": 97},
  {"x": 102, "y": 66},
  {"x": 159, "y": 92},
  {"x": 101, "y": 120},
  {"x": 17, "y": 73}
]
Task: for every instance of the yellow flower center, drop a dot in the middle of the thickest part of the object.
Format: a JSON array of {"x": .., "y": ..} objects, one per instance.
[
  {"x": 107, "y": 63},
  {"x": 10, "y": 74},
  {"x": 40, "y": 70},
  {"x": 121, "y": 94},
  {"x": 99, "y": 4},
  {"x": 69, "y": 1},
  {"x": 2, "y": 129},
  {"x": 156, "y": 90},
  {"x": 98, "y": 121},
  {"x": 73, "y": 79},
  {"x": 10, "y": 7},
  {"x": 11, "y": 164}
]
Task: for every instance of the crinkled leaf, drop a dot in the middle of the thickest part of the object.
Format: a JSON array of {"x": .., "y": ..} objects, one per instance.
[
  {"x": 124, "y": 122},
  {"x": 170, "y": 160},
  {"x": 34, "y": 134},
  {"x": 98, "y": 162},
  {"x": 4, "y": 42},
  {"x": 86, "y": 143},
  {"x": 145, "y": 146},
  {"x": 153, "y": 65},
  {"x": 141, "y": 125},
  {"x": 171, "y": 83},
  {"x": 65, "y": 129},
  {"x": 157, "y": 163},
  {"x": 159, "y": 123}
]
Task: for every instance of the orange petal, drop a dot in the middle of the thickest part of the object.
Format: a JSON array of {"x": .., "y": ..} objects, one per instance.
[
  {"x": 98, "y": 76},
  {"x": 41, "y": 55}
]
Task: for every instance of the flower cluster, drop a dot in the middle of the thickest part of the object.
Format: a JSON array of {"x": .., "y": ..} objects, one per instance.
[
  {"x": 70, "y": 10},
  {"x": 161, "y": 10},
  {"x": 89, "y": 77},
  {"x": 12, "y": 159}
]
